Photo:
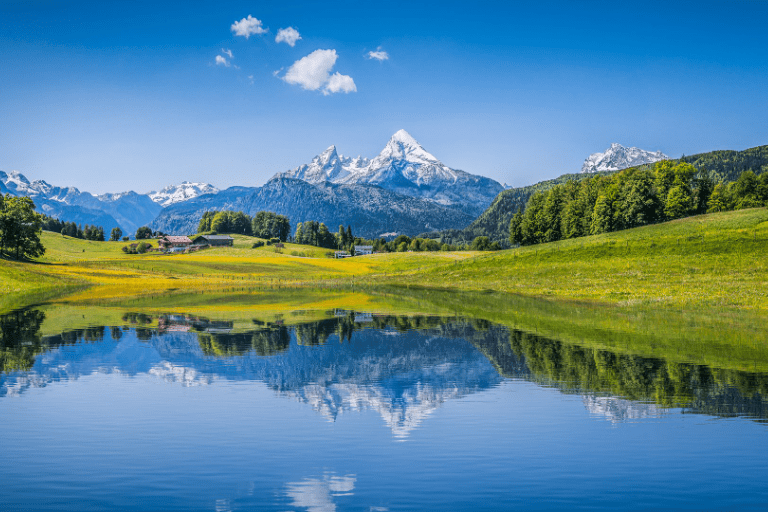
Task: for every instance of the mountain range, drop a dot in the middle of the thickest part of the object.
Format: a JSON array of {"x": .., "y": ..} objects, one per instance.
[
  {"x": 619, "y": 157},
  {"x": 402, "y": 190}
]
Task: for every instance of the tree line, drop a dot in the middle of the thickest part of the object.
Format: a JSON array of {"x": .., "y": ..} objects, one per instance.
[
  {"x": 631, "y": 198},
  {"x": 317, "y": 234},
  {"x": 263, "y": 225},
  {"x": 73, "y": 230}
]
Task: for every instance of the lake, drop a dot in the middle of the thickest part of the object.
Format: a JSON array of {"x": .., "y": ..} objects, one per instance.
[{"x": 338, "y": 408}]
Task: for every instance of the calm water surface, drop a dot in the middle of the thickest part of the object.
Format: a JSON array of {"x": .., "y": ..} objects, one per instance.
[{"x": 365, "y": 412}]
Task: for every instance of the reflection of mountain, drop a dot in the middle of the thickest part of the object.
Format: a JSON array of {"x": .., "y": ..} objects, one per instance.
[
  {"x": 620, "y": 409},
  {"x": 403, "y": 375},
  {"x": 402, "y": 367}
]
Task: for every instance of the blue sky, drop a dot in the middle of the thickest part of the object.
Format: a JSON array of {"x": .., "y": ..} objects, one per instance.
[{"x": 110, "y": 96}]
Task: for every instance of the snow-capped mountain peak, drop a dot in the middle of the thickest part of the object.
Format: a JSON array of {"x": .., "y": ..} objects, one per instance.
[
  {"x": 402, "y": 146},
  {"x": 619, "y": 157},
  {"x": 177, "y": 193},
  {"x": 403, "y": 166}
]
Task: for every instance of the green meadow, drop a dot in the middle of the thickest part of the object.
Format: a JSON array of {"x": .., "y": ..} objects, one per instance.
[
  {"x": 709, "y": 261},
  {"x": 692, "y": 290}
]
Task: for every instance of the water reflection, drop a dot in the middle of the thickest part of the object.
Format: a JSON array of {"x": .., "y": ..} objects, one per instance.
[{"x": 403, "y": 367}]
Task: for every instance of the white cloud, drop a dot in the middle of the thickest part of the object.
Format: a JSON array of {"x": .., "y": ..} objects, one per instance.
[
  {"x": 313, "y": 72},
  {"x": 379, "y": 54},
  {"x": 250, "y": 78},
  {"x": 287, "y": 35},
  {"x": 227, "y": 52},
  {"x": 246, "y": 27},
  {"x": 339, "y": 83},
  {"x": 221, "y": 61}
]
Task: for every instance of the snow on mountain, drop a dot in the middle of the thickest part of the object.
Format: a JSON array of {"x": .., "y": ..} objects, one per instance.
[
  {"x": 403, "y": 166},
  {"x": 177, "y": 193},
  {"x": 619, "y": 157}
]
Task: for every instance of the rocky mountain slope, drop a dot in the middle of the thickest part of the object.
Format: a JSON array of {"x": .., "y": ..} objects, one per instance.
[{"x": 371, "y": 211}]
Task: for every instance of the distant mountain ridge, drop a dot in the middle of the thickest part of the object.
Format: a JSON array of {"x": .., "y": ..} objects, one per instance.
[
  {"x": 126, "y": 210},
  {"x": 619, "y": 157},
  {"x": 371, "y": 211},
  {"x": 405, "y": 167},
  {"x": 173, "y": 194}
]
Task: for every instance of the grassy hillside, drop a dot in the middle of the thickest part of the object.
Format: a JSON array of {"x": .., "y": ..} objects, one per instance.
[
  {"x": 96, "y": 271},
  {"x": 709, "y": 261},
  {"x": 715, "y": 260}
]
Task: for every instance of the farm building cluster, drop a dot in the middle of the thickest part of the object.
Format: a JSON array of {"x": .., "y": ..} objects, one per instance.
[{"x": 174, "y": 244}]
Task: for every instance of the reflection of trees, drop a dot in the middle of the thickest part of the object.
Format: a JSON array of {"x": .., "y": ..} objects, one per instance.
[
  {"x": 19, "y": 339},
  {"x": 264, "y": 343},
  {"x": 666, "y": 383}
]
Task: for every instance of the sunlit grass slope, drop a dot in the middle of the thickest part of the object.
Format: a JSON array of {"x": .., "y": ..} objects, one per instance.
[
  {"x": 92, "y": 272},
  {"x": 713, "y": 261},
  {"x": 716, "y": 260}
]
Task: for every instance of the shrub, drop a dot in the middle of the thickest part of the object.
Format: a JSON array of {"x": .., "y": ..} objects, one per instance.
[{"x": 258, "y": 244}]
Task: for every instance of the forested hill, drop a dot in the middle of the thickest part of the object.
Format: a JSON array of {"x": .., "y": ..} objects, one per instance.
[
  {"x": 723, "y": 165},
  {"x": 494, "y": 221},
  {"x": 728, "y": 165}
]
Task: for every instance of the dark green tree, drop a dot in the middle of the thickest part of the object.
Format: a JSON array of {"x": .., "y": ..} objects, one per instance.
[
  {"x": 143, "y": 233},
  {"x": 20, "y": 228},
  {"x": 116, "y": 235}
]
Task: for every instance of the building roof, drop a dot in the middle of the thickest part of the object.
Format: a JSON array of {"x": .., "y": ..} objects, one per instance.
[
  {"x": 364, "y": 247},
  {"x": 213, "y": 237},
  {"x": 177, "y": 239}
]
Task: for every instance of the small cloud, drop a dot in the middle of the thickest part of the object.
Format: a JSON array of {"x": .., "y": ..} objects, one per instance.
[
  {"x": 314, "y": 71},
  {"x": 227, "y": 52},
  {"x": 339, "y": 83},
  {"x": 247, "y": 27},
  {"x": 221, "y": 61},
  {"x": 250, "y": 79},
  {"x": 379, "y": 54},
  {"x": 287, "y": 35}
]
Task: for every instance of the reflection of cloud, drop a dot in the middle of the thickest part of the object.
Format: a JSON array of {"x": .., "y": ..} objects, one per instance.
[
  {"x": 618, "y": 409},
  {"x": 316, "y": 494}
]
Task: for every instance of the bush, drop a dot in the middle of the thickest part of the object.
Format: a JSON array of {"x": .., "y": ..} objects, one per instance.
[
  {"x": 126, "y": 238},
  {"x": 140, "y": 248},
  {"x": 258, "y": 244}
]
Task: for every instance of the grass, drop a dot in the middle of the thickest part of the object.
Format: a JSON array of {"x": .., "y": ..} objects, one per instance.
[{"x": 709, "y": 262}]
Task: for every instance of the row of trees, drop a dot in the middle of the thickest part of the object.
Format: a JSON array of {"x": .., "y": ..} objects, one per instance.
[
  {"x": 630, "y": 198},
  {"x": 88, "y": 232},
  {"x": 263, "y": 225},
  {"x": 316, "y": 233},
  {"x": 20, "y": 227}
]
